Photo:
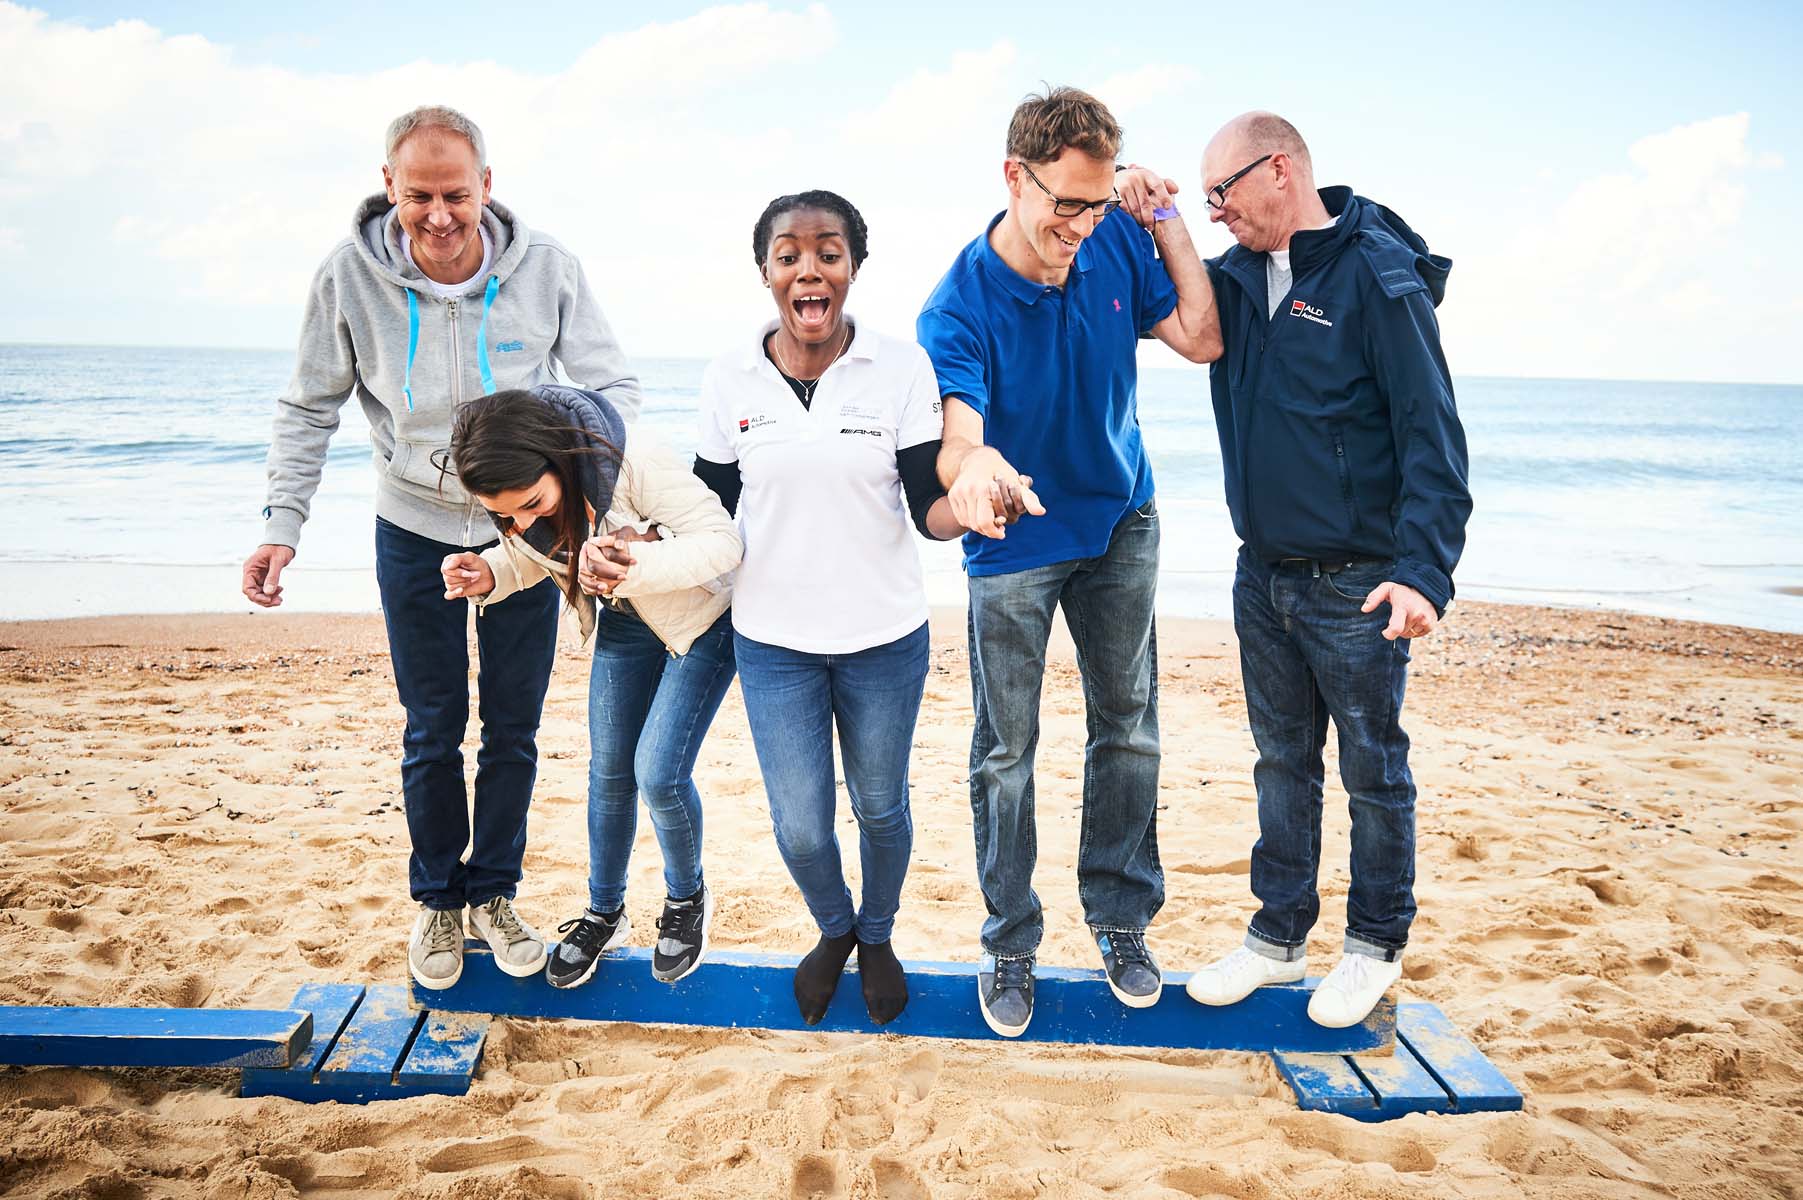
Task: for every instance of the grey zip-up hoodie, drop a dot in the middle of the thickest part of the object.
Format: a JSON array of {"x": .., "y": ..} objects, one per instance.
[{"x": 375, "y": 327}]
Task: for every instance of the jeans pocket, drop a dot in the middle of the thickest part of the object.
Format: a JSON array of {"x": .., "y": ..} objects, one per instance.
[
  {"x": 1355, "y": 582},
  {"x": 1148, "y": 511}
]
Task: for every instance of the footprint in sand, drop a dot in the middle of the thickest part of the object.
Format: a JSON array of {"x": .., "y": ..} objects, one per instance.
[
  {"x": 463, "y": 1156},
  {"x": 918, "y": 1074},
  {"x": 815, "y": 1179},
  {"x": 897, "y": 1181}
]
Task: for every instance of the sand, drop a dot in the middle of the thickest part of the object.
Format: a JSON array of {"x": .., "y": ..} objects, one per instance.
[{"x": 203, "y": 811}]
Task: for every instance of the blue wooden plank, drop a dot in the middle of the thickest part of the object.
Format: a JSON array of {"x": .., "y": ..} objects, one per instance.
[
  {"x": 371, "y": 1048},
  {"x": 331, "y": 1005},
  {"x": 1327, "y": 1083},
  {"x": 756, "y": 991},
  {"x": 151, "y": 1037},
  {"x": 445, "y": 1054},
  {"x": 1474, "y": 1084},
  {"x": 1401, "y": 1084}
]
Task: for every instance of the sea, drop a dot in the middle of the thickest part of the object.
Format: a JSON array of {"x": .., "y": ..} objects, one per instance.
[{"x": 133, "y": 478}]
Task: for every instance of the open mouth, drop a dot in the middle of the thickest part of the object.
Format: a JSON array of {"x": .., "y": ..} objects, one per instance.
[
  {"x": 1070, "y": 244},
  {"x": 812, "y": 310}
]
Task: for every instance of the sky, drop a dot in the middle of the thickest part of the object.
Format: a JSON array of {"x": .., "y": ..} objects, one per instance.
[{"x": 1614, "y": 183}]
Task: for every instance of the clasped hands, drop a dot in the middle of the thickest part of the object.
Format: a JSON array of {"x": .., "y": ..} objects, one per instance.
[{"x": 990, "y": 495}]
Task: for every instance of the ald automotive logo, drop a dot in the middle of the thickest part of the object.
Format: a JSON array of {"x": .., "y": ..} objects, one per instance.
[{"x": 1308, "y": 312}]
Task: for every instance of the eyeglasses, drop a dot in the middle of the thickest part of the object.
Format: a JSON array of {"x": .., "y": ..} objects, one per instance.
[
  {"x": 1073, "y": 208},
  {"x": 1216, "y": 196}
]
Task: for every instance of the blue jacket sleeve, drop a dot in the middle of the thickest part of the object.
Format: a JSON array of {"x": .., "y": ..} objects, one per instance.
[{"x": 1402, "y": 345}]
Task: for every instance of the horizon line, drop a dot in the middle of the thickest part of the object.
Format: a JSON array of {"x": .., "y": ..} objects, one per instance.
[{"x": 5, "y": 344}]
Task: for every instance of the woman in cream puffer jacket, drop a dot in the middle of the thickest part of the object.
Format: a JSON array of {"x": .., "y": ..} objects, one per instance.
[{"x": 597, "y": 507}]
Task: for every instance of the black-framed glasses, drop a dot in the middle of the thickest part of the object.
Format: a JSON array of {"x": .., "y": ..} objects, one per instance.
[
  {"x": 1073, "y": 208},
  {"x": 1216, "y": 196}
]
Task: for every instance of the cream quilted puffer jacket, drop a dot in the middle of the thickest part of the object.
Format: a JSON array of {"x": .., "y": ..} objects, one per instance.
[{"x": 681, "y": 583}]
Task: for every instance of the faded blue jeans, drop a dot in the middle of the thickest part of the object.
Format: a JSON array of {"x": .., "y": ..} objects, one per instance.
[
  {"x": 648, "y": 710},
  {"x": 1107, "y": 602},
  {"x": 793, "y": 700},
  {"x": 1307, "y": 654}
]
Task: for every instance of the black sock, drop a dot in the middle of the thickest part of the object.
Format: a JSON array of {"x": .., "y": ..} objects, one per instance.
[
  {"x": 885, "y": 984},
  {"x": 607, "y": 916},
  {"x": 687, "y": 899},
  {"x": 817, "y": 977}
]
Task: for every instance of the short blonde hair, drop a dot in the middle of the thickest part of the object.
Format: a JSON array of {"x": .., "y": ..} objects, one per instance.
[
  {"x": 436, "y": 116},
  {"x": 1064, "y": 116}
]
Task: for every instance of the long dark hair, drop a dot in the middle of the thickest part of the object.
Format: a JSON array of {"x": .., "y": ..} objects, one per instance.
[{"x": 507, "y": 440}]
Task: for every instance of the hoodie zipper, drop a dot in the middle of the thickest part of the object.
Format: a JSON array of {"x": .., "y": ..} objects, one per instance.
[{"x": 469, "y": 512}]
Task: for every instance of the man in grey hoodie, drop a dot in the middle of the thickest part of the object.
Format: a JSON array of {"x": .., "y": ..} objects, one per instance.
[{"x": 438, "y": 295}]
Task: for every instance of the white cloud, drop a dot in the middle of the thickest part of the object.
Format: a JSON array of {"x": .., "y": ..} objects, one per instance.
[
  {"x": 11, "y": 240},
  {"x": 1133, "y": 90},
  {"x": 1624, "y": 273}
]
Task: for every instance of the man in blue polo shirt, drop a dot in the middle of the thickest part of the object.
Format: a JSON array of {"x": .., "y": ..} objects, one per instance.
[{"x": 1033, "y": 334}]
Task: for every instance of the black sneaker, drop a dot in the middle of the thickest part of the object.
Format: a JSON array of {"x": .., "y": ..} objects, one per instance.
[
  {"x": 571, "y": 962},
  {"x": 1133, "y": 975},
  {"x": 682, "y": 936},
  {"x": 1005, "y": 993}
]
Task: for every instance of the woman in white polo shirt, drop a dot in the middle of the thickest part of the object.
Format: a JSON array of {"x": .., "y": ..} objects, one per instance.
[{"x": 814, "y": 431}]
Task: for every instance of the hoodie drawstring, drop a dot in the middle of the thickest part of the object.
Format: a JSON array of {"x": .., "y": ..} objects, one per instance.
[
  {"x": 488, "y": 300},
  {"x": 412, "y": 344}
]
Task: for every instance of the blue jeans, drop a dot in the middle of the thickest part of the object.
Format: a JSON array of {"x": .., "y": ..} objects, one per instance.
[
  {"x": 793, "y": 700},
  {"x": 428, "y": 645},
  {"x": 1306, "y": 654},
  {"x": 647, "y": 713},
  {"x": 1107, "y": 602}
]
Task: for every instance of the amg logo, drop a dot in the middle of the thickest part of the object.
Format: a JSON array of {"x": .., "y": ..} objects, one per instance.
[{"x": 865, "y": 432}]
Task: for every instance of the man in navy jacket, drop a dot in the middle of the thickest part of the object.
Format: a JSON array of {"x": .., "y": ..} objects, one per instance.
[{"x": 1345, "y": 470}]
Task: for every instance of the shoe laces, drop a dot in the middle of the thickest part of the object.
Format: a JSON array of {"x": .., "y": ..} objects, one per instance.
[
  {"x": 677, "y": 919},
  {"x": 1353, "y": 972},
  {"x": 1129, "y": 947},
  {"x": 442, "y": 932},
  {"x": 584, "y": 933},
  {"x": 502, "y": 917},
  {"x": 1013, "y": 973}
]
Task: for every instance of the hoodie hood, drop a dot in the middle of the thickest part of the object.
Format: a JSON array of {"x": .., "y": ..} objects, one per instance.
[
  {"x": 376, "y": 231},
  {"x": 599, "y": 472},
  {"x": 1397, "y": 254}
]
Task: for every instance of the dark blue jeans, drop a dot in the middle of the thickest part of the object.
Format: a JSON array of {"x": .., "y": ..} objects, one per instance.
[
  {"x": 793, "y": 700},
  {"x": 1107, "y": 602},
  {"x": 428, "y": 645},
  {"x": 1307, "y": 654},
  {"x": 648, "y": 710}
]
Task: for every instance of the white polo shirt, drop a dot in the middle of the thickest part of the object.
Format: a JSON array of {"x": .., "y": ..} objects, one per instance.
[{"x": 830, "y": 563}]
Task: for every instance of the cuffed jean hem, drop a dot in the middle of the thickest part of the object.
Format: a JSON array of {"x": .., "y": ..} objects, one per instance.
[
  {"x": 1259, "y": 944},
  {"x": 1371, "y": 949},
  {"x": 1098, "y": 929}
]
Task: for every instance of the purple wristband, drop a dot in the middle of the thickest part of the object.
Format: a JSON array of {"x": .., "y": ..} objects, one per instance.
[{"x": 1165, "y": 214}]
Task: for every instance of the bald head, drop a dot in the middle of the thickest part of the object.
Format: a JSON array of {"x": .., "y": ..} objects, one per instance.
[{"x": 1254, "y": 134}]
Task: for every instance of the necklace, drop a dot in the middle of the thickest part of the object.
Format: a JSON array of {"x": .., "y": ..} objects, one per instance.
[{"x": 808, "y": 385}]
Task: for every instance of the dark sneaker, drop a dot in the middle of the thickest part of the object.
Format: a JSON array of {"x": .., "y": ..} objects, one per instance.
[
  {"x": 572, "y": 963},
  {"x": 1005, "y": 993},
  {"x": 682, "y": 936},
  {"x": 1133, "y": 975}
]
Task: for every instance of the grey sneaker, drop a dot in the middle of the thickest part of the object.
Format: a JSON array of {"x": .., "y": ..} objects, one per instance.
[
  {"x": 435, "y": 951},
  {"x": 1133, "y": 974},
  {"x": 1005, "y": 992},
  {"x": 518, "y": 949},
  {"x": 682, "y": 941}
]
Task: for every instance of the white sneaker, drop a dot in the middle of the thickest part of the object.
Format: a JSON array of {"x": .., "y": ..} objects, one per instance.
[
  {"x": 518, "y": 948},
  {"x": 1230, "y": 980},
  {"x": 435, "y": 951},
  {"x": 1351, "y": 990}
]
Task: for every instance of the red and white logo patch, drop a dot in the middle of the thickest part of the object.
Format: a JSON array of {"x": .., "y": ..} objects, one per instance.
[{"x": 1308, "y": 312}]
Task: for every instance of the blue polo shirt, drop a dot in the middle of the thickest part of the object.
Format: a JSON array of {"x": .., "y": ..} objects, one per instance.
[{"x": 1052, "y": 371}]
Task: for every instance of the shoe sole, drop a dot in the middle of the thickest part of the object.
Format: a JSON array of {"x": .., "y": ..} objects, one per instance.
[
  {"x": 437, "y": 985},
  {"x": 625, "y": 927},
  {"x": 1132, "y": 1001},
  {"x": 1007, "y": 1031},
  {"x": 707, "y": 924},
  {"x": 1301, "y": 973}
]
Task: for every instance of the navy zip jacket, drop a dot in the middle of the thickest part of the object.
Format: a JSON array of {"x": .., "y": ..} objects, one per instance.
[{"x": 1339, "y": 436}]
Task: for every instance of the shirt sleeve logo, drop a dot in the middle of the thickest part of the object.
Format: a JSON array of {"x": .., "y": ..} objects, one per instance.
[{"x": 755, "y": 421}]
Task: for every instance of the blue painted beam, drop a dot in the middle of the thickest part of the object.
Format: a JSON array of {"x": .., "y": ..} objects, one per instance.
[
  {"x": 331, "y": 1005},
  {"x": 1472, "y": 1081},
  {"x": 1327, "y": 1083},
  {"x": 756, "y": 991},
  {"x": 445, "y": 1054},
  {"x": 151, "y": 1037}
]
